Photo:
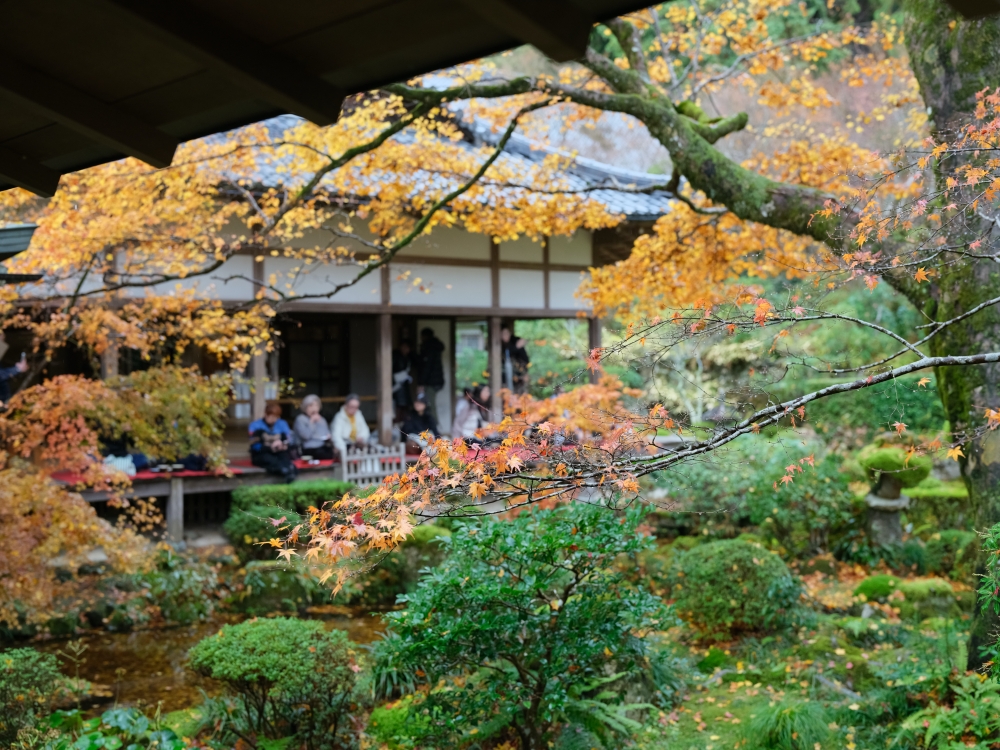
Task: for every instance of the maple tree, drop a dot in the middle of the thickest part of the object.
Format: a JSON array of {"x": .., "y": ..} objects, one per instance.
[{"x": 819, "y": 208}]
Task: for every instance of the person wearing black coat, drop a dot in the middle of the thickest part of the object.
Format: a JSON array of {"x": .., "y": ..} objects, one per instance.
[
  {"x": 419, "y": 422},
  {"x": 431, "y": 369}
]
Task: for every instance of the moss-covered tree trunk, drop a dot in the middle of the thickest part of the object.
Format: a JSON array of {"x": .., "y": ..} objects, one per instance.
[{"x": 953, "y": 58}]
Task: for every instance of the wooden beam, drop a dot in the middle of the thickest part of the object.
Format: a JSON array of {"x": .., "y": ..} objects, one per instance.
[
  {"x": 555, "y": 27},
  {"x": 100, "y": 122},
  {"x": 267, "y": 75},
  {"x": 28, "y": 174},
  {"x": 175, "y": 510}
]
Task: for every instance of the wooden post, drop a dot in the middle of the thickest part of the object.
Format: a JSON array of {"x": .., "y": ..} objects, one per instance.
[
  {"x": 383, "y": 358},
  {"x": 496, "y": 369},
  {"x": 594, "y": 338},
  {"x": 175, "y": 511},
  {"x": 109, "y": 361},
  {"x": 258, "y": 371}
]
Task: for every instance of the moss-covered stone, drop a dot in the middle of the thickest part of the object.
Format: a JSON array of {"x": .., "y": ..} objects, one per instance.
[
  {"x": 877, "y": 588},
  {"x": 893, "y": 461},
  {"x": 927, "y": 597}
]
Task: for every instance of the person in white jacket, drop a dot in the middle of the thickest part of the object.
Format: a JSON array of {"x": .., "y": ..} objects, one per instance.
[{"x": 348, "y": 426}]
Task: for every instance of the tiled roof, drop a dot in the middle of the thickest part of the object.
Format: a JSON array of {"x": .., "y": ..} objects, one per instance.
[{"x": 523, "y": 156}]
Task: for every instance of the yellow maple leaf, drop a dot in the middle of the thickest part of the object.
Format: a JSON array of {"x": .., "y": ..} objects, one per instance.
[
  {"x": 923, "y": 382},
  {"x": 955, "y": 452}
]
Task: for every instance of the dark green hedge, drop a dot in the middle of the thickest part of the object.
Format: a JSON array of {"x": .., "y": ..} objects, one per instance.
[{"x": 296, "y": 496}]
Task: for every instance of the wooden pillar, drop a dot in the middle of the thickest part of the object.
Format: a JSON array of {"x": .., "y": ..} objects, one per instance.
[
  {"x": 175, "y": 511},
  {"x": 594, "y": 339},
  {"x": 109, "y": 361},
  {"x": 258, "y": 373},
  {"x": 383, "y": 367},
  {"x": 496, "y": 368}
]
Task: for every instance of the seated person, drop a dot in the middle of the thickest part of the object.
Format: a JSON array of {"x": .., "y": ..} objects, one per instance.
[
  {"x": 420, "y": 421},
  {"x": 312, "y": 431},
  {"x": 470, "y": 414},
  {"x": 270, "y": 439},
  {"x": 349, "y": 427}
]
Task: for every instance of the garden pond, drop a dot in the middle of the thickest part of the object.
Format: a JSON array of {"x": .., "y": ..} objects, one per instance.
[{"x": 149, "y": 667}]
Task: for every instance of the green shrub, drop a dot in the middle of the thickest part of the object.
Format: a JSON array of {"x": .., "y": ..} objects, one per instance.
[
  {"x": 953, "y": 553},
  {"x": 398, "y": 572},
  {"x": 275, "y": 586},
  {"x": 874, "y": 409},
  {"x": 788, "y": 725},
  {"x": 185, "y": 591},
  {"x": 297, "y": 496},
  {"x": 729, "y": 587},
  {"x": 248, "y": 528},
  {"x": 289, "y": 677},
  {"x": 526, "y": 624},
  {"x": 877, "y": 588},
  {"x": 936, "y": 504},
  {"x": 892, "y": 460},
  {"x": 28, "y": 680},
  {"x": 396, "y": 724}
]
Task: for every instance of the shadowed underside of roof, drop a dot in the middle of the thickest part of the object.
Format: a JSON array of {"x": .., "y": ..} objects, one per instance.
[{"x": 84, "y": 82}]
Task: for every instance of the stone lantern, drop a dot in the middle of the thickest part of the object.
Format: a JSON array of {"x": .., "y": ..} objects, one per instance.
[{"x": 890, "y": 470}]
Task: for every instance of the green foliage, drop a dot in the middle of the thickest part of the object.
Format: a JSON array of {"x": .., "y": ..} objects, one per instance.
[
  {"x": 989, "y": 584},
  {"x": 738, "y": 490},
  {"x": 788, "y": 725},
  {"x": 875, "y": 409},
  {"x": 936, "y": 504},
  {"x": 953, "y": 553},
  {"x": 248, "y": 529},
  {"x": 117, "y": 728},
  {"x": 184, "y": 590},
  {"x": 28, "y": 680},
  {"x": 729, "y": 587},
  {"x": 891, "y": 460},
  {"x": 396, "y": 724},
  {"x": 298, "y": 496},
  {"x": 398, "y": 572},
  {"x": 289, "y": 678},
  {"x": 974, "y": 715},
  {"x": 274, "y": 586},
  {"x": 526, "y": 623}
]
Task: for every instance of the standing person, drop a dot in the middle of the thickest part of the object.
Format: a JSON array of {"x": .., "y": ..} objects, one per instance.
[
  {"x": 270, "y": 440},
  {"x": 349, "y": 427},
  {"x": 402, "y": 366},
  {"x": 431, "y": 368},
  {"x": 6, "y": 373},
  {"x": 516, "y": 361},
  {"x": 312, "y": 430},
  {"x": 419, "y": 422}
]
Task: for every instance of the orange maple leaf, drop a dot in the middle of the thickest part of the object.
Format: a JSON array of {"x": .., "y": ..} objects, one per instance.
[
  {"x": 900, "y": 427},
  {"x": 920, "y": 275},
  {"x": 922, "y": 383}
]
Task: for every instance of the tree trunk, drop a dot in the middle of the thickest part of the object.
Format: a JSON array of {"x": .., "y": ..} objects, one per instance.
[{"x": 953, "y": 58}]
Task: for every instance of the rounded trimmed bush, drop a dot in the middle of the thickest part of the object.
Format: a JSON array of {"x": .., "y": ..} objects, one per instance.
[
  {"x": 290, "y": 677},
  {"x": 728, "y": 587},
  {"x": 877, "y": 588},
  {"x": 877, "y": 460}
]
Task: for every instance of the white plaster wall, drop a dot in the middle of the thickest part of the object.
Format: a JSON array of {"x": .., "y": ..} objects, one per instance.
[
  {"x": 522, "y": 288},
  {"x": 450, "y": 242},
  {"x": 572, "y": 251},
  {"x": 427, "y": 284},
  {"x": 562, "y": 288},
  {"x": 320, "y": 278},
  {"x": 521, "y": 250}
]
